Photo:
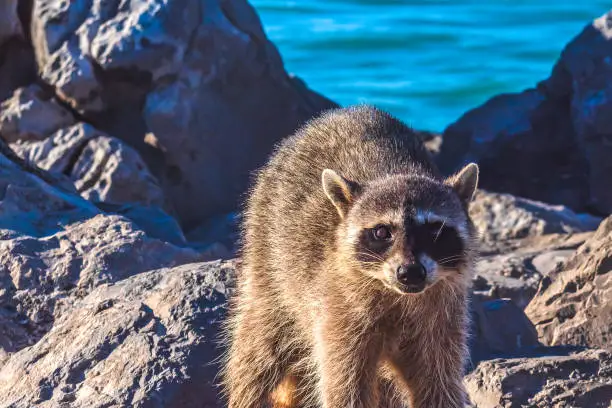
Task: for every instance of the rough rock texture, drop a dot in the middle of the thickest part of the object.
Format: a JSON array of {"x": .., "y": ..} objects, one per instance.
[
  {"x": 55, "y": 245},
  {"x": 45, "y": 272},
  {"x": 574, "y": 303},
  {"x": 502, "y": 216},
  {"x": 31, "y": 115},
  {"x": 102, "y": 168},
  {"x": 521, "y": 241},
  {"x": 147, "y": 341},
  {"x": 152, "y": 339},
  {"x": 207, "y": 92},
  {"x": 551, "y": 143},
  {"x": 582, "y": 379}
]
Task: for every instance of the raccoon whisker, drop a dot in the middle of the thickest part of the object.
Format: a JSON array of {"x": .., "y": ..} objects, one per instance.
[
  {"x": 371, "y": 255},
  {"x": 449, "y": 259},
  {"x": 440, "y": 230}
]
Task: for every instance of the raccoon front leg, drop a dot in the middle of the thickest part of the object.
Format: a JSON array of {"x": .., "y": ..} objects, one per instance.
[
  {"x": 433, "y": 377},
  {"x": 347, "y": 363},
  {"x": 256, "y": 364}
]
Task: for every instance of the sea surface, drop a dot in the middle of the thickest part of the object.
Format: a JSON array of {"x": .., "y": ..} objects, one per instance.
[{"x": 427, "y": 62}]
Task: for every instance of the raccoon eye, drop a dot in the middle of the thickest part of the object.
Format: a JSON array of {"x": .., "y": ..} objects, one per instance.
[{"x": 381, "y": 233}]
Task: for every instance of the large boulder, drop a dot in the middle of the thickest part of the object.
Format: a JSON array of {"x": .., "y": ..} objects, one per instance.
[
  {"x": 191, "y": 84},
  {"x": 43, "y": 275},
  {"x": 579, "y": 379},
  {"x": 573, "y": 304},
  {"x": 102, "y": 168},
  {"x": 56, "y": 247},
  {"x": 551, "y": 143},
  {"x": 147, "y": 341}
]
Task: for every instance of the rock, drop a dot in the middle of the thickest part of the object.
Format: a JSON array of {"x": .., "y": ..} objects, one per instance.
[
  {"x": 10, "y": 26},
  {"x": 152, "y": 220},
  {"x": 500, "y": 217},
  {"x": 582, "y": 379},
  {"x": 584, "y": 74},
  {"x": 46, "y": 273},
  {"x": 551, "y": 143},
  {"x": 31, "y": 115},
  {"x": 147, "y": 341},
  {"x": 56, "y": 245},
  {"x": 514, "y": 268},
  {"x": 573, "y": 304},
  {"x": 102, "y": 168},
  {"x": 108, "y": 170},
  {"x": 17, "y": 65},
  {"x": 30, "y": 206},
  {"x": 499, "y": 328},
  {"x": 223, "y": 230},
  {"x": 198, "y": 78}
]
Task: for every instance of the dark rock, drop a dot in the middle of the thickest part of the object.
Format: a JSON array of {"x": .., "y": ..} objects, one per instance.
[
  {"x": 552, "y": 143},
  {"x": 198, "y": 78},
  {"x": 573, "y": 304},
  {"x": 582, "y": 379},
  {"x": 223, "y": 229},
  {"x": 17, "y": 66},
  {"x": 499, "y": 328}
]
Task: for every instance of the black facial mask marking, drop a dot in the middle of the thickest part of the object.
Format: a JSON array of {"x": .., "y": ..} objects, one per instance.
[{"x": 440, "y": 242}]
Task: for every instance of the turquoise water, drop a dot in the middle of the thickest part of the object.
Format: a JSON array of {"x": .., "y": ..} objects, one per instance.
[{"x": 425, "y": 61}]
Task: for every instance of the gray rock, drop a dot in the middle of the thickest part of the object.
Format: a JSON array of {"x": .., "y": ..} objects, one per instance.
[
  {"x": 147, "y": 341},
  {"x": 31, "y": 115},
  {"x": 198, "y": 78},
  {"x": 513, "y": 269},
  {"x": 582, "y": 379},
  {"x": 223, "y": 230},
  {"x": 102, "y": 168},
  {"x": 552, "y": 143},
  {"x": 500, "y": 217},
  {"x": 152, "y": 220},
  {"x": 56, "y": 245},
  {"x": 584, "y": 73},
  {"x": 573, "y": 304},
  {"x": 43, "y": 275}
]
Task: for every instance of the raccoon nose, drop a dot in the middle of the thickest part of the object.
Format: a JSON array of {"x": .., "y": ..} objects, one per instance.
[{"x": 411, "y": 274}]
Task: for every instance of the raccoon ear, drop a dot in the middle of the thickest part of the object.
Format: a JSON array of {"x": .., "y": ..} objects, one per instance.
[
  {"x": 465, "y": 182},
  {"x": 339, "y": 190}
]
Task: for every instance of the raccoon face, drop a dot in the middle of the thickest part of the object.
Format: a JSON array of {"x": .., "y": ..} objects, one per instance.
[{"x": 407, "y": 232}]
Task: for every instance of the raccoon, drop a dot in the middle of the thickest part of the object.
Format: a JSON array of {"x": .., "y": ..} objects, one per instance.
[{"x": 356, "y": 265}]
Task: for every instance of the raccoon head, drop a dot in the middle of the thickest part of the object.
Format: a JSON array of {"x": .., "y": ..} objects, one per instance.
[{"x": 407, "y": 231}]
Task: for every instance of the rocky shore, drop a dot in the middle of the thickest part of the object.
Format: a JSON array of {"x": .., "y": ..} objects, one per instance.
[{"x": 128, "y": 131}]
